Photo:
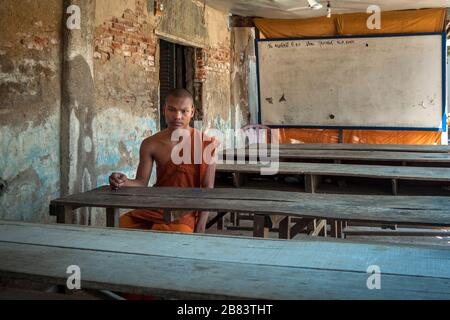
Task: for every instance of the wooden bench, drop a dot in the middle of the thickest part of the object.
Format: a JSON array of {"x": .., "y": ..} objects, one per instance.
[
  {"x": 313, "y": 172},
  {"x": 218, "y": 267},
  {"x": 363, "y": 147},
  {"x": 428, "y": 211},
  {"x": 338, "y": 156}
]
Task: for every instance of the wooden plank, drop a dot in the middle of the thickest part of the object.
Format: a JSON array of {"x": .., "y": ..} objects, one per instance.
[
  {"x": 311, "y": 226},
  {"x": 362, "y": 147},
  {"x": 394, "y": 183},
  {"x": 259, "y": 228},
  {"x": 311, "y": 183},
  {"x": 285, "y": 228},
  {"x": 238, "y": 179},
  {"x": 336, "y": 228},
  {"x": 59, "y": 212},
  {"x": 231, "y": 228},
  {"x": 223, "y": 248},
  {"x": 429, "y": 233},
  {"x": 339, "y": 229},
  {"x": 233, "y": 218},
  {"x": 217, "y": 281},
  {"x": 347, "y": 170},
  {"x": 219, "y": 217},
  {"x": 386, "y": 209},
  {"x": 258, "y": 268},
  {"x": 321, "y": 224},
  {"x": 112, "y": 217},
  {"x": 371, "y": 156},
  {"x": 299, "y": 227},
  {"x": 220, "y": 223}
]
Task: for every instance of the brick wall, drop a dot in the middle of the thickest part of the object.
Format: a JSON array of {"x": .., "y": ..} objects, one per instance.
[
  {"x": 211, "y": 59},
  {"x": 125, "y": 36}
]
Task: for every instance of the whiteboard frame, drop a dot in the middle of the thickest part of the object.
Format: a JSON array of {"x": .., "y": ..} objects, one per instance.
[{"x": 442, "y": 128}]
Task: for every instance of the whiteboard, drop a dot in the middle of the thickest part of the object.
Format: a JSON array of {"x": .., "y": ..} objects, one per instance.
[{"x": 373, "y": 82}]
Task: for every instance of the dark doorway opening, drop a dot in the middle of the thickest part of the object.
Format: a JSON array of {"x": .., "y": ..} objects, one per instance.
[{"x": 177, "y": 70}]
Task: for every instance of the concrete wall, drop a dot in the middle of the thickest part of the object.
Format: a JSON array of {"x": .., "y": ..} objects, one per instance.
[
  {"x": 75, "y": 105},
  {"x": 243, "y": 76},
  {"x": 30, "y": 94}
]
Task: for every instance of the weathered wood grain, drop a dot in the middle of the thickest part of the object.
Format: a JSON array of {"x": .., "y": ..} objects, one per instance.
[{"x": 221, "y": 267}]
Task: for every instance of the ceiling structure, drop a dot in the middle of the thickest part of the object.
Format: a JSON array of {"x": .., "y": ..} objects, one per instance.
[{"x": 298, "y": 9}]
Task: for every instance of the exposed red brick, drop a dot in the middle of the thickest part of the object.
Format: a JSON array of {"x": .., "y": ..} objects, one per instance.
[
  {"x": 124, "y": 36},
  {"x": 116, "y": 45},
  {"x": 119, "y": 26}
]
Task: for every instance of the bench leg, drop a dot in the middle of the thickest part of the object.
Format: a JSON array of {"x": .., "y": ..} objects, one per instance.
[
  {"x": 319, "y": 226},
  {"x": 112, "y": 217},
  {"x": 336, "y": 228},
  {"x": 233, "y": 218},
  {"x": 238, "y": 179},
  {"x": 323, "y": 231},
  {"x": 284, "y": 228},
  {"x": 312, "y": 224},
  {"x": 64, "y": 214},
  {"x": 311, "y": 183},
  {"x": 394, "y": 183},
  {"x": 217, "y": 219},
  {"x": 259, "y": 230},
  {"x": 60, "y": 214},
  {"x": 220, "y": 221},
  {"x": 299, "y": 227}
]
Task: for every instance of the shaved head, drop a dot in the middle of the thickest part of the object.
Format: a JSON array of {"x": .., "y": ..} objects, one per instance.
[{"x": 180, "y": 94}]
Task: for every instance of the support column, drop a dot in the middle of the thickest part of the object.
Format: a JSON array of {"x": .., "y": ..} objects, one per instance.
[{"x": 78, "y": 107}]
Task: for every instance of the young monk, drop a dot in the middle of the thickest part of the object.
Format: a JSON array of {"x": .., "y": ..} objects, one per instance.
[{"x": 178, "y": 112}]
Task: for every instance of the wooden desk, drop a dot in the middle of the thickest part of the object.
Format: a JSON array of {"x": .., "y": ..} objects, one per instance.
[
  {"x": 313, "y": 172},
  {"x": 220, "y": 267},
  {"x": 429, "y": 211},
  {"x": 364, "y": 147},
  {"x": 377, "y": 157}
]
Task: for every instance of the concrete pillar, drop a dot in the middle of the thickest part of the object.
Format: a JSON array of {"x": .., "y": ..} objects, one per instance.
[{"x": 78, "y": 106}]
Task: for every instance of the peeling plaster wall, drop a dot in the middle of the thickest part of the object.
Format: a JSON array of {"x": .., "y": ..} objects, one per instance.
[
  {"x": 243, "y": 79},
  {"x": 76, "y": 106},
  {"x": 30, "y": 91},
  {"x": 218, "y": 113},
  {"x": 127, "y": 78},
  {"x": 243, "y": 74},
  {"x": 126, "y": 85},
  {"x": 184, "y": 22}
]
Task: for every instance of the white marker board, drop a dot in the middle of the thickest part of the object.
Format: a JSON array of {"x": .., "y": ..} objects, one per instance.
[{"x": 373, "y": 82}]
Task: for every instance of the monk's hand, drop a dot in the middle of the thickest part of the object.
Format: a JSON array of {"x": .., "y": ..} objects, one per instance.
[{"x": 117, "y": 180}]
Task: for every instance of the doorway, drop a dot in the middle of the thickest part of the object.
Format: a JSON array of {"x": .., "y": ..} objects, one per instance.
[{"x": 177, "y": 70}]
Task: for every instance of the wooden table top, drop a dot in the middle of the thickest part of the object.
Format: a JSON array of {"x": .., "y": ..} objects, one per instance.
[
  {"x": 189, "y": 266},
  {"x": 422, "y": 210},
  {"x": 353, "y": 155},
  {"x": 347, "y": 170},
  {"x": 364, "y": 147}
]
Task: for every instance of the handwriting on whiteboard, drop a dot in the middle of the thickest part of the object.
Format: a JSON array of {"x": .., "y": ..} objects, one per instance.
[{"x": 309, "y": 43}]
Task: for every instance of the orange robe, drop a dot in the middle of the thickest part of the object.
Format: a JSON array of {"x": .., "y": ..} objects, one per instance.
[{"x": 171, "y": 175}]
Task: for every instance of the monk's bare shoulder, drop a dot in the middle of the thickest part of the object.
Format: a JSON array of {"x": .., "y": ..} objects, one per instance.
[{"x": 152, "y": 143}]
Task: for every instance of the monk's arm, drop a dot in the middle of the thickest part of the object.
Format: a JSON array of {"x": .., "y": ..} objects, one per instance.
[
  {"x": 208, "y": 182},
  {"x": 144, "y": 169}
]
